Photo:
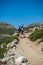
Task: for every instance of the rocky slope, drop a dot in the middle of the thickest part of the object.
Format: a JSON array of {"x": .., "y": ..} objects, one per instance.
[{"x": 13, "y": 56}]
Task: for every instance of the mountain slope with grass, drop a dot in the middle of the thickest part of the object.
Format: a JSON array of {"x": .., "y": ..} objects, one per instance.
[
  {"x": 20, "y": 50},
  {"x": 39, "y": 24},
  {"x": 6, "y": 28}
]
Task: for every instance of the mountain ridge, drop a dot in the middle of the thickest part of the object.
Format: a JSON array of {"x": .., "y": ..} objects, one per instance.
[
  {"x": 6, "y": 28},
  {"x": 38, "y": 24}
]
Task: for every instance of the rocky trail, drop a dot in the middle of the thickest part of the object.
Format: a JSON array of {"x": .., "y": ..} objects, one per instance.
[
  {"x": 25, "y": 50},
  {"x": 30, "y": 50}
]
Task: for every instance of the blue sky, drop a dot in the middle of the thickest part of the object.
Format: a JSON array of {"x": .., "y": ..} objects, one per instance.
[{"x": 17, "y": 12}]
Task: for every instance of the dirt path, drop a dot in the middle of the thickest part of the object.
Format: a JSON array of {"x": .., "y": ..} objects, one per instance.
[{"x": 29, "y": 51}]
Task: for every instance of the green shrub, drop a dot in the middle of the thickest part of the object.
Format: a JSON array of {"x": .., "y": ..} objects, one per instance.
[
  {"x": 36, "y": 35},
  {"x": 1, "y": 53}
]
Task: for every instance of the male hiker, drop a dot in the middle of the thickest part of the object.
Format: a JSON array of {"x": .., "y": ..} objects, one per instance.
[{"x": 21, "y": 31}]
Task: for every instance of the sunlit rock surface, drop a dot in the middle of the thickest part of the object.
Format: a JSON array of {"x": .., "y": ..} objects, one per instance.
[{"x": 13, "y": 56}]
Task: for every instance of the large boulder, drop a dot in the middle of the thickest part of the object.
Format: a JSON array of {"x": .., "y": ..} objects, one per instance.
[{"x": 20, "y": 60}]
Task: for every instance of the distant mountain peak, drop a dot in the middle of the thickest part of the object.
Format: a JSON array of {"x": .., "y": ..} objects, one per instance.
[{"x": 6, "y": 28}]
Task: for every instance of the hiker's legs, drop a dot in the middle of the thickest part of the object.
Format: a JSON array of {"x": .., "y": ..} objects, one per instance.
[{"x": 22, "y": 32}]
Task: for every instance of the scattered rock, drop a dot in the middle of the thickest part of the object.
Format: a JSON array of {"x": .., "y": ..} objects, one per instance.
[{"x": 12, "y": 44}]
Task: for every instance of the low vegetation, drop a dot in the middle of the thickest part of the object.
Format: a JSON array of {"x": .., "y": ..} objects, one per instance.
[
  {"x": 3, "y": 50},
  {"x": 36, "y": 35},
  {"x": 7, "y": 40}
]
